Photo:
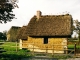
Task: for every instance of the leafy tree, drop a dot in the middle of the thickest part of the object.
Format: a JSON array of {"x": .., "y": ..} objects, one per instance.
[
  {"x": 2, "y": 36},
  {"x": 5, "y": 32},
  {"x": 77, "y": 28},
  {"x": 6, "y": 7},
  {"x": 5, "y": 35}
]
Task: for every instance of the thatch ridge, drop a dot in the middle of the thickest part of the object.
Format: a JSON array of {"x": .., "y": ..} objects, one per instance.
[{"x": 13, "y": 27}]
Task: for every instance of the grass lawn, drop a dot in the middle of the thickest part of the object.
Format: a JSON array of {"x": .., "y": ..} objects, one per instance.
[
  {"x": 70, "y": 46},
  {"x": 73, "y": 46},
  {"x": 11, "y": 53}
]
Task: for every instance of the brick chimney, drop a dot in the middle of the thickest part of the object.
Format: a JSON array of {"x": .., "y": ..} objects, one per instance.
[{"x": 38, "y": 14}]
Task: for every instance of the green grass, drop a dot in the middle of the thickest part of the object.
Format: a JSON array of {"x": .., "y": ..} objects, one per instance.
[
  {"x": 11, "y": 53},
  {"x": 9, "y": 46},
  {"x": 72, "y": 46}
]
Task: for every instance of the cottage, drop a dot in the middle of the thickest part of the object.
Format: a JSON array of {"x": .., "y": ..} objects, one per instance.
[
  {"x": 49, "y": 31},
  {"x": 22, "y": 37},
  {"x": 11, "y": 35}
]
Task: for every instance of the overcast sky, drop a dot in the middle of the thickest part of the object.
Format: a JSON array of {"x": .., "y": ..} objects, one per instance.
[{"x": 27, "y": 9}]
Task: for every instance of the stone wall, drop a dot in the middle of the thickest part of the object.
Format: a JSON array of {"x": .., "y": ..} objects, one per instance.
[{"x": 56, "y": 44}]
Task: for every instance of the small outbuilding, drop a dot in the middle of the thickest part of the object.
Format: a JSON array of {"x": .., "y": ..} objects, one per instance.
[{"x": 11, "y": 34}]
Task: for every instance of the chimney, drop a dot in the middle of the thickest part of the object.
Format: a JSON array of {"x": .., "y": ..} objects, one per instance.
[{"x": 38, "y": 14}]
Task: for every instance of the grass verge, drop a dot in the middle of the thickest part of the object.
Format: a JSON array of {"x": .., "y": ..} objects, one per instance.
[{"x": 12, "y": 54}]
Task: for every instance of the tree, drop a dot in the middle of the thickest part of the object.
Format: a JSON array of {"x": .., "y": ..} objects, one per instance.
[
  {"x": 6, "y": 7},
  {"x": 77, "y": 28},
  {"x": 2, "y": 36},
  {"x": 5, "y": 35}
]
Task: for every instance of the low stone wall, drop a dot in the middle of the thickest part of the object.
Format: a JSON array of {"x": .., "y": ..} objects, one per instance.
[{"x": 56, "y": 44}]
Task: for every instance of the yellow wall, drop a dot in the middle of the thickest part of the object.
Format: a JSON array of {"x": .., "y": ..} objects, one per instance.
[
  {"x": 53, "y": 43},
  {"x": 8, "y": 37}
]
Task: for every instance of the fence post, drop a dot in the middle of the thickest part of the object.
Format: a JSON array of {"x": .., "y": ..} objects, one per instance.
[
  {"x": 16, "y": 46},
  {"x": 46, "y": 49},
  {"x": 75, "y": 49},
  {"x": 65, "y": 50},
  {"x": 33, "y": 48},
  {"x": 52, "y": 49}
]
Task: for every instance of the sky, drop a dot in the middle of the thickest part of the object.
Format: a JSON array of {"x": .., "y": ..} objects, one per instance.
[{"x": 27, "y": 9}]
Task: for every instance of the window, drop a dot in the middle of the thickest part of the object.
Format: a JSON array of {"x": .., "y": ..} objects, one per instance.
[{"x": 45, "y": 40}]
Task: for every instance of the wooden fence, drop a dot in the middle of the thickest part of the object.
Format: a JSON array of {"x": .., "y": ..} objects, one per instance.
[
  {"x": 33, "y": 48},
  {"x": 16, "y": 46},
  {"x": 75, "y": 51}
]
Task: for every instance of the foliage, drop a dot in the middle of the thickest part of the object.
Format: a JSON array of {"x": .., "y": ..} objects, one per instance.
[
  {"x": 6, "y": 13},
  {"x": 77, "y": 27},
  {"x": 2, "y": 36},
  {"x": 5, "y": 35}
]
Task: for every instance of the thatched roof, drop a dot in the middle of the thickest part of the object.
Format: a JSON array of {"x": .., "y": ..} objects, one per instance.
[
  {"x": 13, "y": 32},
  {"x": 21, "y": 34},
  {"x": 50, "y": 25},
  {"x": 13, "y": 29}
]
